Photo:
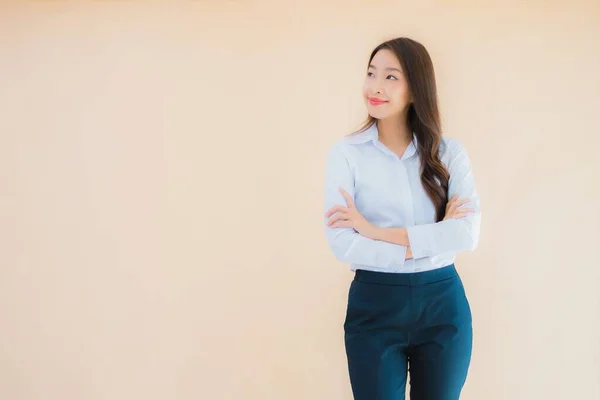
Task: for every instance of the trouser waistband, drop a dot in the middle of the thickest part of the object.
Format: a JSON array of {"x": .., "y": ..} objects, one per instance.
[{"x": 406, "y": 279}]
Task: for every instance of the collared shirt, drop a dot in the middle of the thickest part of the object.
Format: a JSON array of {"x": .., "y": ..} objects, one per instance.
[{"x": 387, "y": 191}]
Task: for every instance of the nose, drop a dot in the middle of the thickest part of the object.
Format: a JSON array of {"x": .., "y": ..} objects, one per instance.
[
  {"x": 374, "y": 86},
  {"x": 375, "y": 89}
]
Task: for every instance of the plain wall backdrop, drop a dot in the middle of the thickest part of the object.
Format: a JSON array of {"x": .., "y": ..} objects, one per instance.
[{"x": 162, "y": 175}]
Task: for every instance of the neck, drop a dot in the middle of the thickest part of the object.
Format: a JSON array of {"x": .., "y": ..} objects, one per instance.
[{"x": 394, "y": 133}]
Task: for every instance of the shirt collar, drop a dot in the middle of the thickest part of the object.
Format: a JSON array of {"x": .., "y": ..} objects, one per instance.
[
  {"x": 365, "y": 136},
  {"x": 372, "y": 134}
]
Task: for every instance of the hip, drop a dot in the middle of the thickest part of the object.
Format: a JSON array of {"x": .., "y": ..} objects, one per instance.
[{"x": 432, "y": 297}]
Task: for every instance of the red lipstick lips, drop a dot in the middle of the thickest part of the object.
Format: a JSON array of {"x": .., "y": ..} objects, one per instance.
[{"x": 376, "y": 102}]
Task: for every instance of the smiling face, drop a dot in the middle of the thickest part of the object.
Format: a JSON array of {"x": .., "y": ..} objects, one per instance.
[{"x": 385, "y": 89}]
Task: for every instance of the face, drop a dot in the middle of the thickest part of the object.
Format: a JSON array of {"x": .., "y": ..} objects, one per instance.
[{"x": 385, "y": 89}]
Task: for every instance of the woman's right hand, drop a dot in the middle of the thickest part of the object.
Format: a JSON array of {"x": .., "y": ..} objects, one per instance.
[{"x": 453, "y": 209}]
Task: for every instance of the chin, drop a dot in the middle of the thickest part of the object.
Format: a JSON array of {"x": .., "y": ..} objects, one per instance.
[{"x": 377, "y": 114}]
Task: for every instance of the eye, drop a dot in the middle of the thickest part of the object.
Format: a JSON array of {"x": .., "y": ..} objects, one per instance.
[{"x": 369, "y": 74}]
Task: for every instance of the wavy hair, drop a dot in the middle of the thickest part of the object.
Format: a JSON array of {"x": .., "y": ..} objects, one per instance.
[{"x": 423, "y": 116}]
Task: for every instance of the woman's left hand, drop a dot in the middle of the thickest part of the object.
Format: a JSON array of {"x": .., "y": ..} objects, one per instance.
[{"x": 349, "y": 217}]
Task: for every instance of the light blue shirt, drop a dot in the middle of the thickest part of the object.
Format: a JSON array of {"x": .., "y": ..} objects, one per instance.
[{"x": 387, "y": 191}]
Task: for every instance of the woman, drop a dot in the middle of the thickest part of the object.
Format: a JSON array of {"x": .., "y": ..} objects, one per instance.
[{"x": 401, "y": 203}]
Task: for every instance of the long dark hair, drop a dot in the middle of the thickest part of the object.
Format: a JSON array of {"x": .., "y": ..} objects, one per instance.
[{"x": 423, "y": 116}]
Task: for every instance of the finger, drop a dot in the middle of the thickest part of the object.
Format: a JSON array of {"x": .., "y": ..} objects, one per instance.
[
  {"x": 337, "y": 217},
  {"x": 335, "y": 209},
  {"x": 456, "y": 199},
  {"x": 341, "y": 224},
  {"x": 451, "y": 208},
  {"x": 457, "y": 204},
  {"x": 461, "y": 213},
  {"x": 451, "y": 201},
  {"x": 459, "y": 208},
  {"x": 455, "y": 207},
  {"x": 349, "y": 200}
]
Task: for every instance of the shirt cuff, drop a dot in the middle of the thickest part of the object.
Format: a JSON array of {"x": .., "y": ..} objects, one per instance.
[{"x": 421, "y": 240}]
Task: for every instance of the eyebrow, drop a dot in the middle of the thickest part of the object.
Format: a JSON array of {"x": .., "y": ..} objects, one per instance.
[{"x": 387, "y": 69}]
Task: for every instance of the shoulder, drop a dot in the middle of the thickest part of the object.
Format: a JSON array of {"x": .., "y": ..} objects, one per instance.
[
  {"x": 346, "y": 150},
  {"x": 339, "y": 146},
  {"x": 451, "y": 148},
  {"x": 346, "y": 144},
  {"x": 337, "y": 153},
  {"x": 454, "y": 154}
]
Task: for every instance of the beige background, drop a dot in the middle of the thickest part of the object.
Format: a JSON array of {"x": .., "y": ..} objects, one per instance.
[{"x": 162, "y": 174}]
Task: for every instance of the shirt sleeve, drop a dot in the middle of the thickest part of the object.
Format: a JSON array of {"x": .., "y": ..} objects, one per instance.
[
  {"x": 347, "y": 244},
  {"x": 452, "y": 235}
]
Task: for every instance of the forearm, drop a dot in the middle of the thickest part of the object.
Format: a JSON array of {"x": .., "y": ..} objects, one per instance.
[
  {"x": 453, "y": 235},
  {"x": 351, "y": 247},
  {"x": 436, "y": 238},
  {"x": 392, "y": 235},
  {"x": 397, "y": 236}
]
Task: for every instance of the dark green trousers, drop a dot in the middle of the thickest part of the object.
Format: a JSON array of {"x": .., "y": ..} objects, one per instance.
[{"x": 415, "y": 324}]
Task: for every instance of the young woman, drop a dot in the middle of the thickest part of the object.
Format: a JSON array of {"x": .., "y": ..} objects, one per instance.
[{"x": 400, "y": 203}]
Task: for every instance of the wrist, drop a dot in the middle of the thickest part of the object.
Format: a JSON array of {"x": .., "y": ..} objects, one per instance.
[
  {"x": 382, "y": 234},
  {"x": 393, "y": 235},
  {"x": 376, "y": 233}
]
